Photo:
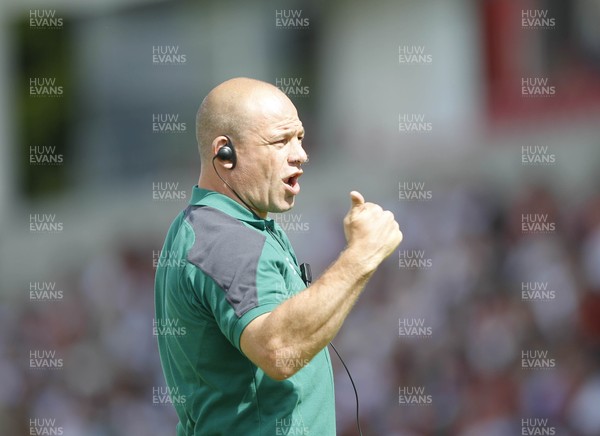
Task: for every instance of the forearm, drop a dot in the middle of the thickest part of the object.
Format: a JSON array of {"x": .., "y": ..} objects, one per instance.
[
  {"x": 283, "y": 341},
  {"x": 303, "y": 325},
  {"x": 309, "y": 320}
]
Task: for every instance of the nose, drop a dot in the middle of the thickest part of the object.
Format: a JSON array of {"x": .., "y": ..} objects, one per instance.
[{"x": 297, "y": 154}]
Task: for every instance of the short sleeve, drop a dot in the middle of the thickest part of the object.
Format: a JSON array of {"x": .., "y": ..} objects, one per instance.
[{"x": 238, "y": 275}]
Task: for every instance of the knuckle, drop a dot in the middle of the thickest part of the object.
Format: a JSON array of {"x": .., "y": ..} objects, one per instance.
[{"x": 373, "y": 207}]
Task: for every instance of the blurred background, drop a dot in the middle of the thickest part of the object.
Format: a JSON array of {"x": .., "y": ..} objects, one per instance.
[{"x": 476, "y": 122}]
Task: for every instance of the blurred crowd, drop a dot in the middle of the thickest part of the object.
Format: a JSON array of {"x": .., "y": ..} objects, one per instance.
[
  {"x": 468, "y": 367},
  {"x": 471, "y": 368}
]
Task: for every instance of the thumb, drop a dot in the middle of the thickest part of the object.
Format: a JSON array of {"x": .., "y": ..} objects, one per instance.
[{"x": 357, "y": 199}]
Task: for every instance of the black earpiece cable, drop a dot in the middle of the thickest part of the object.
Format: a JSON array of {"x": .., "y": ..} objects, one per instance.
[
  {"x": 353, "y": 387},
  {"x": 307, "y": 281},
  {"x": 307, "y": 278},
  {"x": 231, "y": 189}
]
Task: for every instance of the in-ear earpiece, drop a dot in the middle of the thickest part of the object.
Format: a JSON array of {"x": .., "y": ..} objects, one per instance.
[{"x": 227, "y": 153}]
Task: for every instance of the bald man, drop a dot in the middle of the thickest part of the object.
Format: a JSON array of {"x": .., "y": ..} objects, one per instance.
[{"x": 248, "y": 356}]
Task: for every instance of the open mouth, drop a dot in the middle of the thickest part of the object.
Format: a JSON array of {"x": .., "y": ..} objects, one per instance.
[
  {"x": 292, "y": 184},
  {"x": 291, "y": 181}
]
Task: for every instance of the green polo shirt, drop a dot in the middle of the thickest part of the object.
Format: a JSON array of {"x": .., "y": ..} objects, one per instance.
[{"x": 220, "y": 267}]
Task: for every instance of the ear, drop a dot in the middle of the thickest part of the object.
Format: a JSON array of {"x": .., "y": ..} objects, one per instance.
[{"x": 217, "y": 143}]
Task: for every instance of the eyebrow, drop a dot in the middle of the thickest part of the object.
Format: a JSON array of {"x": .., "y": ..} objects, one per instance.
[{"x": 287, "y": 133}]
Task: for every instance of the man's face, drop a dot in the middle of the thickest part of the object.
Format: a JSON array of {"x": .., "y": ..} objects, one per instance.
[{"x": 270, "y": 156}]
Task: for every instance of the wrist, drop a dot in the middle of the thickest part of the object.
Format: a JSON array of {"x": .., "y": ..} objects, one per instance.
[{"x": 358, "y": 262}]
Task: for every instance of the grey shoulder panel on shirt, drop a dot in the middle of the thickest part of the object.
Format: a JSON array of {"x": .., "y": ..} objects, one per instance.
[{"x": 227, "y": 251}]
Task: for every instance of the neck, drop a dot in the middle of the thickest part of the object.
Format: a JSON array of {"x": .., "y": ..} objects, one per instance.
[{"x": 222, "y": 188}]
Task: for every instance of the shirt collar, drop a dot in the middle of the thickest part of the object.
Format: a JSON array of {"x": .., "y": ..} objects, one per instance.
[{"x": 214, "y": 199}]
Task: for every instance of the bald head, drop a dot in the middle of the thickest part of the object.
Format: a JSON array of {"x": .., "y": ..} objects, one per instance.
[
  {"x": 267, "y": 135},
  {"x": 232, "y": 108}
]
